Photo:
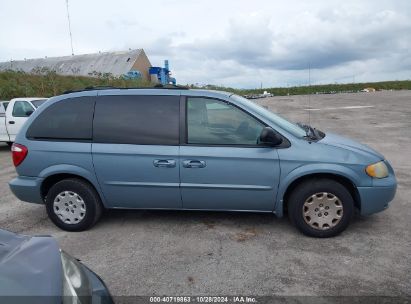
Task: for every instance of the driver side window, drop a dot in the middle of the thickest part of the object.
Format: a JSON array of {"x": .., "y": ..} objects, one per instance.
[
  {"x": 22, "y": 109},
  {"x": 214, "y": 122}
]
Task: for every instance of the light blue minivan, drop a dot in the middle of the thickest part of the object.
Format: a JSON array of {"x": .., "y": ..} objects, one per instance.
[{"x": 174, "y": 148}]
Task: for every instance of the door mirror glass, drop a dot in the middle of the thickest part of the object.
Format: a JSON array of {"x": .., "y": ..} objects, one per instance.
[
  {"x": 29, "y": 112},
  {"x": 269, "y": 137}
]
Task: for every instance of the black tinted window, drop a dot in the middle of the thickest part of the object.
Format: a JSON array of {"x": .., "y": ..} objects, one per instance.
[
  {"x": 38, "y": 102},
  {"x": 67, "y": 119},
  {"x": 144, "y": 120}
]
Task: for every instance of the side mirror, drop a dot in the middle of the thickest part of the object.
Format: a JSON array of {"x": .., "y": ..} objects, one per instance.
[
  {"x": 29, "y": 112},
  {"x": 269, "y": 137}
]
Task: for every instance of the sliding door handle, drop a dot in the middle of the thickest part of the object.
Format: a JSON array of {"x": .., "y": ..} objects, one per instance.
[
  {"x": 194, "y": 164},
  {"x": 164, "y": 163}
]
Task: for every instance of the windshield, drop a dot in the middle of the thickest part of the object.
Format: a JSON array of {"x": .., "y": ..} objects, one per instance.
[
  {"x": 38, "y": 102},
  {"x": 278, "y": 120}
]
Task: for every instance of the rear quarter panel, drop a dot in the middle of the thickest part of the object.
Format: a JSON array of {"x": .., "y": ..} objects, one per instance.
[{"x": 46, "y": 158}]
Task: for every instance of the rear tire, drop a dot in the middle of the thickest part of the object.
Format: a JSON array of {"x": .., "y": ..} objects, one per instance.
[
  {"x": 73, "y": 205},
  {"x": 320, "y": 207},
  {"x": 9, "y": 143}
]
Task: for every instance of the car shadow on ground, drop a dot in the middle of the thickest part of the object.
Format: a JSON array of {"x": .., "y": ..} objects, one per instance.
[
  {"x": 4, "y": 147},
  {"x": 209, "y": 218},
  {"x": 243, "y": 224},
  {"x": 189, "y": 219},
  {"x": 187, "y": 215}
]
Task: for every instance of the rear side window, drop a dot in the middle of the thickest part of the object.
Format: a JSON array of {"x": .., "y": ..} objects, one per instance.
[
  {"x": 140, "y": 120},
  {"x": 69, "y": 119},
  {"x": 2, "y": 109},
  {"x": 38, "y": 102}
]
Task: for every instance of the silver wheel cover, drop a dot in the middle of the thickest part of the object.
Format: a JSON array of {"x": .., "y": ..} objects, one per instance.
[
  {"x": 69, "y": 207},
  {"x": 322, "y": 211}
]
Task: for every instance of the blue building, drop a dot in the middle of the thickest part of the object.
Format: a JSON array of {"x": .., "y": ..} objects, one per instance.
[{"x": 162, "y": 75}]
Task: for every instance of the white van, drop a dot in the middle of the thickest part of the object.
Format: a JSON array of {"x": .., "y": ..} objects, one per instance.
[{"x": 14, "y": 114}]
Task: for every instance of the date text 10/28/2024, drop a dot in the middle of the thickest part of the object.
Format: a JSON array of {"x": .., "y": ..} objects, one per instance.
[{"x": 203, "y": 299}]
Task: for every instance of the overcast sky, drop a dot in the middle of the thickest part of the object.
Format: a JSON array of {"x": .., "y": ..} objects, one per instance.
[{"x": 226, "y": 42}]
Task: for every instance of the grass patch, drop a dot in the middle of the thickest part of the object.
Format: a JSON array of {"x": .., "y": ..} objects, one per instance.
[
  {"x": 326, "y": 88},
  {"x": 46, "y": 83}
]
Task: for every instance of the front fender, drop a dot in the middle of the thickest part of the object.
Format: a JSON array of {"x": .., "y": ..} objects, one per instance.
[
  {"x": 75, "y": 170},
  {"x": 289, "y": 177}
]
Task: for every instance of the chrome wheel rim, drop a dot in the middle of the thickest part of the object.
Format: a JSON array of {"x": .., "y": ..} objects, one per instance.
[
  {"x": 69, "y": 207},
  {"x": 322, "y": 211}
]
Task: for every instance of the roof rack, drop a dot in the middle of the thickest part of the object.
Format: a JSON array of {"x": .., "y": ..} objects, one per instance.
[
  {"x": 157, "y": 86},
  {"x": 90, "y": 88}
]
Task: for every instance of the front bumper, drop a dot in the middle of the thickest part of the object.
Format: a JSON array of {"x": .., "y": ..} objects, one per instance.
[
  {"x": 377, "y": 198},
  {"x": 27, "y": 189}
]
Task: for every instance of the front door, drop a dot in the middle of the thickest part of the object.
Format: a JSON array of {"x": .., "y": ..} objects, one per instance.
[
  {"x": 135, "y": 150},
  {"x": 222, "y": 165},
  {"x": 19, "y": 114}
]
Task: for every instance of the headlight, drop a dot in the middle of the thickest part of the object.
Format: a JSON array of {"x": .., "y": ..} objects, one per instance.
[
  {"x": 76, "y": 286},
  {"x": 377, "y": 170}
]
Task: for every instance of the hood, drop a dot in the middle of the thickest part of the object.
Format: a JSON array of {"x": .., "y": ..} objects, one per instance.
[
  {"x": 30, "y": 266},
  {"x": 335, "y": 140}
]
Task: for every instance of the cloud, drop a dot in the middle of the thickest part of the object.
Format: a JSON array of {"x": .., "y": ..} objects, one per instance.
[
  {"x": 323, "y": 40},
  {"x": 360, "y": 42},
  {"x": 235, "y": 43}
]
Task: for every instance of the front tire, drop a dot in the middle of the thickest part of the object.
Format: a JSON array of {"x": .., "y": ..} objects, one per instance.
[
  {"x": 320, "y": 207},
  {"x": 73, "y": 205}
]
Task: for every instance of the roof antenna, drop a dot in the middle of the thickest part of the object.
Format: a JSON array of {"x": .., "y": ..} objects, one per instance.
[
  {"x": 69, "y": 26},
  {"x": 309, "y": 93}
]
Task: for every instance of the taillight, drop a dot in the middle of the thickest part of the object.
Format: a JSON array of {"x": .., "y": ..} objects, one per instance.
[{"x": 19, "y": 153}]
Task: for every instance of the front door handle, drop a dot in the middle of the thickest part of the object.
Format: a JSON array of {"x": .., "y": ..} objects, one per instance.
[
  {"x": 11, "y": 122},
  {"x": 164, "y": 163},
  {"x": 194, "y": 164}
]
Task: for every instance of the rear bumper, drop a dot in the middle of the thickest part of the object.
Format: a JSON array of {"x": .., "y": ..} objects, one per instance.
[
  {"x": 27, "y": 189},
  {"x": 377, "y": 198}
]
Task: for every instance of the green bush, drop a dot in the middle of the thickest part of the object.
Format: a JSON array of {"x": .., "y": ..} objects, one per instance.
[
  {"x": 47, "y": 83},
  {"x": 327, "y": 88},
  {"x": 43, "y": 82}
]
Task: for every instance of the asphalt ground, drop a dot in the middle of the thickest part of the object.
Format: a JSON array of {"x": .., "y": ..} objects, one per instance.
[{"x": 209, "y": 253}]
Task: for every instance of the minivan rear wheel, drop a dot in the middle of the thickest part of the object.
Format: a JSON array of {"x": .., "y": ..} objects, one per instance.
[
  {"x": 73, "y": 205},
  {"x": 320, "y": 207}
]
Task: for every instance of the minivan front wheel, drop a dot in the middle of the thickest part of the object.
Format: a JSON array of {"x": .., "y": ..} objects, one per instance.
[
  {"x": 73, "y": 205},
  {"x": 320, "y": 207}
]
